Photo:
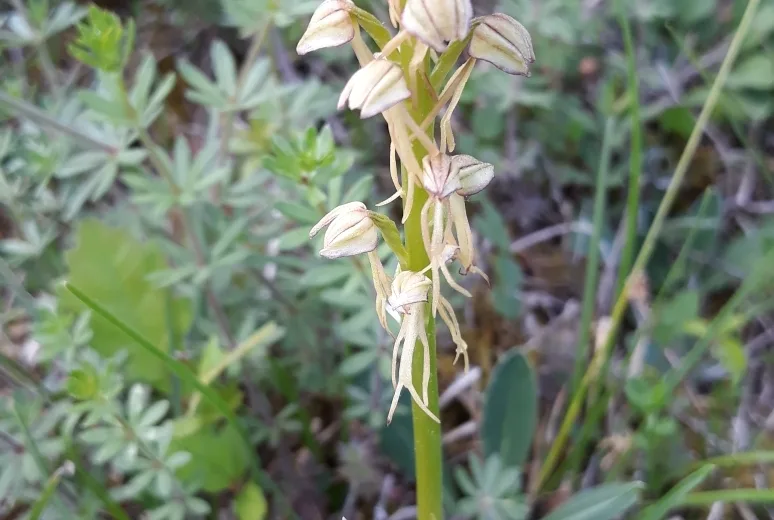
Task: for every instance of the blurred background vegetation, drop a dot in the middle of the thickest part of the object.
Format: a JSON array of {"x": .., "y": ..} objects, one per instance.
[{"x": 202, "y": 362}]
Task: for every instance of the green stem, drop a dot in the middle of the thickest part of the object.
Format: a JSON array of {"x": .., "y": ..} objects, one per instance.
[
  {"x": 635, "y": 159},
  {"x": 427, "y": 432}
]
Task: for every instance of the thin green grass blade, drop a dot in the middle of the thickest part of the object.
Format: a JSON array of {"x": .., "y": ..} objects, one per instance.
[
  {"x": 635, "y": 157},
  {"x": 677, "y": 495},
  {"x": 743, "y": 458},
  {"x": 48, "y": 491},
  {"x": 748, "y": 496},
  {"x": 592, "y": 261}
]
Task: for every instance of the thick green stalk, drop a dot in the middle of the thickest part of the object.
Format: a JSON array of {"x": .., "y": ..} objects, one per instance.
[{"x": 427, "y": 433}]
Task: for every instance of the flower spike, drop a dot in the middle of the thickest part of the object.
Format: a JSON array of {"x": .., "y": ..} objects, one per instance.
[
  {"x": 503, "y": 42},
  {"x": 331, "y": 25}
]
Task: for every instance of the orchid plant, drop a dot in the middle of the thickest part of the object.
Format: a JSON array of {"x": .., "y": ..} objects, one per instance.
[{"x": 405, "y": 81}]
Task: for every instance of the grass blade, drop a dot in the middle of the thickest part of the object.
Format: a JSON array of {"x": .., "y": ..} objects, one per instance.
[
  {"x": 676, "y": 496},
  {"x": 749, "y": 496},
  {"x": 635, "y": 157},
  {"x": 49, "y": 489},
  {"x": 592, "y": 262}
]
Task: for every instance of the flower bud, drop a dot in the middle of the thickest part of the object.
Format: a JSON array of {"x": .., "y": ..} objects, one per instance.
[
  {"x": 503, "y": 42},
  {"x": 440, "y": 175},
  {"x": 350, "y": 231},
  {"x": 474, "y": 175},
  {"x": 408, "y": 288},
  {"x": 331, "y": 25},
  {"x": 437, "y": 22},
  {"x": 379, "y": 85}
]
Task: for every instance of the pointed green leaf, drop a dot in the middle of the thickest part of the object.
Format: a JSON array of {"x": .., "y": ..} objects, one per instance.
[
  {"x": 600, "y": 503},
  {"x": 675, "y": 497},
  {"x": 510, "y": 410},
  {"x": 391, "y": 236}
]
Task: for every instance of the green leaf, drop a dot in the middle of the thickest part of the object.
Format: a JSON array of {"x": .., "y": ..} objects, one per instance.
[
  {"x": 397, "y": 442},
  {"x": 358, "y": 362},
  {"x": 491, "y": 224},
  {"x": 446, "y": 62},
  {"x": 391, "y": 236},
  {"x": 218, "y": 459},
  {"x": 359, "y": 189},
  {"x": 600, "y": 503},
  {"x": 674, "y": 314},
  {"x": 299, "y": 213},
  {"x": 327, "y": 274},
  {"x": 756, "y": 72},
  {"x": 510, "y": 410},
  {"x": 178, "y": 369},
  {"x": 761, "y": 28},
  {"x": 372, "y": 26},
  {"x": 111, "y": 267},
  {"x": 508, "y": 280},
  {"x": 675, "y": 497},
  {"x": 293, "y": 239},
  {"x": 83, "y": 383},
  {"x": 211, "y": 357},
  {"x": 250, "y": 504},
  {"x": 730, "y": 353}
]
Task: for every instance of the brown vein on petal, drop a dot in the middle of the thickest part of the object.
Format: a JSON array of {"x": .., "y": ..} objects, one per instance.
[
  {"x": 383, "y": 84},
  {"x": 328, "y": 15},
  {"x": 518, "y": 28},
  {"x": 510, "y": 43},
  {"x": 431, "y": 18}
]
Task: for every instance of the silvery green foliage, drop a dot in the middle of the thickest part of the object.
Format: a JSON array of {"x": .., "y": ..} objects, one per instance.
[
  {"x": 252, "y": 16},
  {"x": 491, "y": 491},
  {"x": 248, "y": 182},
  {"x": 27, "y": 431},
  {"x": 42, "y": 23}
]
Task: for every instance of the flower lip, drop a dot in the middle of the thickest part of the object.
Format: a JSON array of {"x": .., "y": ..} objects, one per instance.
[
  {"x": 331, "y": 25},
  {"x": 503, "y": 42},
  {"x": 408, "y": 288},
  {"x": 437, "y": 22},
  {"x": 474, "y": 175},
  {"x": 441, "y": 176},
  {"x": 376, "y": 87}
]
